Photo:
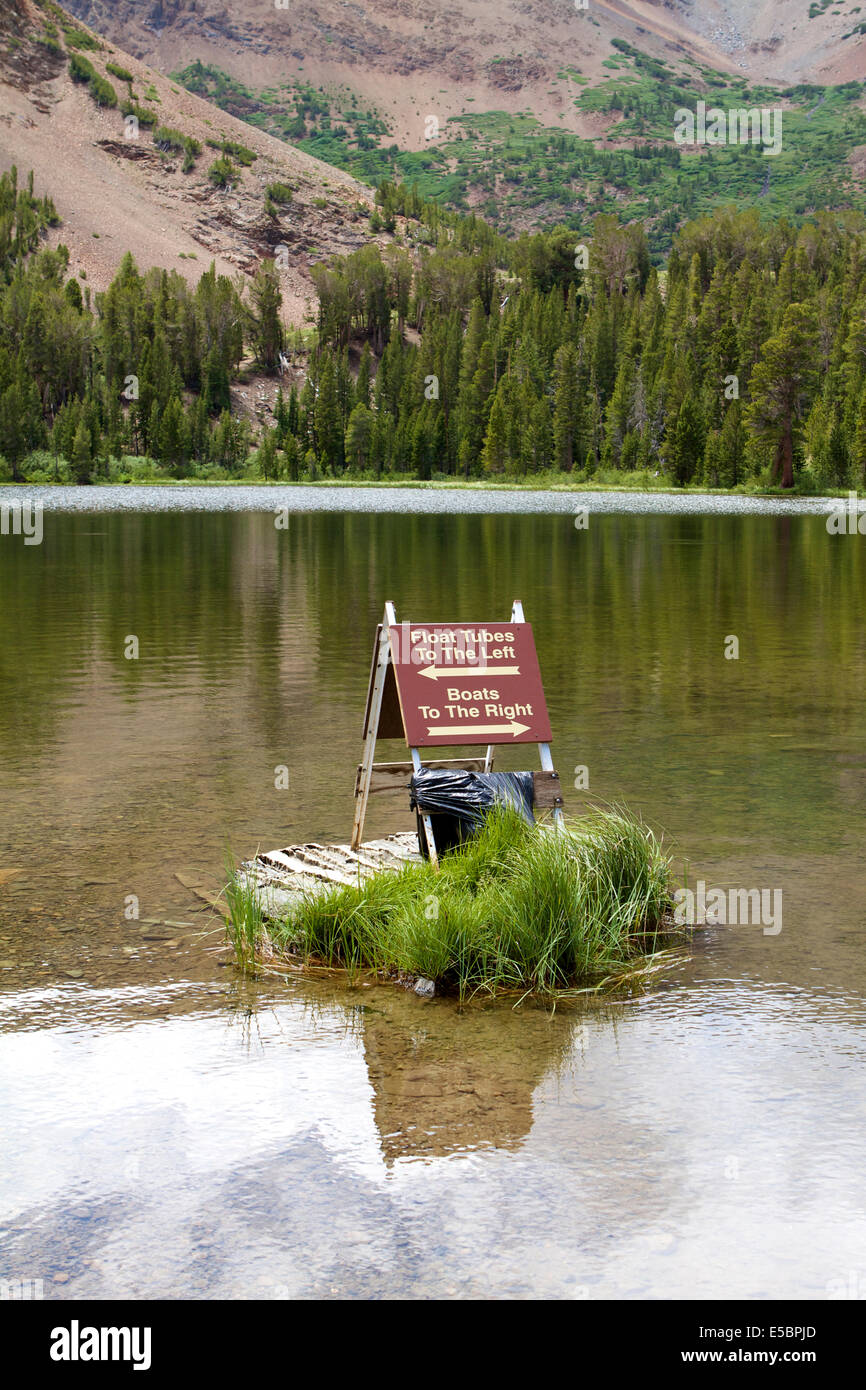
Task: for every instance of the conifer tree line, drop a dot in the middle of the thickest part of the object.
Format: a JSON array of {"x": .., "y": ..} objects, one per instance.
[{"x": 453, "y": 353}]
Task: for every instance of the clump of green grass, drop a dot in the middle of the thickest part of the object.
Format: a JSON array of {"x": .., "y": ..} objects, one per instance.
[
  {"x": 517, "y": 908},
  {"x": 242, "y": 153},
  {"x": 77, "y": 38},
  {"x": 102, "y": 91},
  {"x": 245, "y": 925},
  {"x": 81, "y": 69}
]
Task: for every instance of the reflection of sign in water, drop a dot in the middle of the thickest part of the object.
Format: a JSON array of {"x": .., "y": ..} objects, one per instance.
[
  {"x": 472, "y": 683},
  {"x": 466, "y": 1083}
]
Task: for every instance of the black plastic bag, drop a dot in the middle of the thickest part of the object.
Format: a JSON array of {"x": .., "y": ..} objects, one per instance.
[{"x": 457, "y": 802}]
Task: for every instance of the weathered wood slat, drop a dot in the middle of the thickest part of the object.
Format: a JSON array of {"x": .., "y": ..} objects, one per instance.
[
  {"x": 282, "y": 876},
  {"x": 547, "y": 791}
]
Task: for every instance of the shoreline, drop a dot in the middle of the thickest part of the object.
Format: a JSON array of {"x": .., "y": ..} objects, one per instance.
[{"x": 412, "y": 496}]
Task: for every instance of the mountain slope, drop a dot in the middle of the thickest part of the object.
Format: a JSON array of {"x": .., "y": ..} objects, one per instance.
[
  {"x": 502, "y": 54},
  {"x": 407, "y": 60},
  {"x": 532, "y": 112},
  {"x": 115, "y": 193}
]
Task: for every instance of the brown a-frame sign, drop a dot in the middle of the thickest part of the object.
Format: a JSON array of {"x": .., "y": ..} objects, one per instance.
[{"x": 436, "y": 684}]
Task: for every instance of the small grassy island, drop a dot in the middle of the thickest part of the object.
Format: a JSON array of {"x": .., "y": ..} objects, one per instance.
[{"x": 518, "y": 908}]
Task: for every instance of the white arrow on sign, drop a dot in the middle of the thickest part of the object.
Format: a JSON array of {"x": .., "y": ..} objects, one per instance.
[
  {"x": 439, "y": 673},
  {"x": 440, "y": 731}
]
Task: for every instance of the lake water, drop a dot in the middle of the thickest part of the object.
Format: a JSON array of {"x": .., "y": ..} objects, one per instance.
[{"x": 170, "y": 1129}]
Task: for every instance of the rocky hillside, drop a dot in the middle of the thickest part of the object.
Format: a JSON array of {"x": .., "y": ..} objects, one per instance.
[
  {"x": 128, "y": 157},
  {"x": 404, "y": 58},
  {"x": 411, "y": 59},
  {"x": 533, "y": 113}
]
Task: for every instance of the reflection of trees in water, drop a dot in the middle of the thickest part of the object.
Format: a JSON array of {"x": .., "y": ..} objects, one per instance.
[
  {"x": 205, "y": 593},
  {"x": 635, "y": 604},
  {"x": 630, "y": 617}
]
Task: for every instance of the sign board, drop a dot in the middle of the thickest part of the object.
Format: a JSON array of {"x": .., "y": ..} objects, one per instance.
[
  {"x": 469, "y": 683},
  {"x": 436, "y": 684}
]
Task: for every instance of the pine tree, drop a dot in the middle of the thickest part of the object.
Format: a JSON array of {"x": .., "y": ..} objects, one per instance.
[
  {"x": 858, "y": 443},
  {"x": 686, "y": 444},
  {"x": 781, "y": 386},
  {"x": 294, "y": 413},
  {"x": 732, "y": 452},
  {"x": 172, "y": 444},
  {"x": 281, "y": 416},
  {"x": 565, "y": 406},
  {"x": 359, "y": 434},
  {"x": 266, "y": 457},
  {"x": 495, "y": 442},
  {"x": 540, "y": 437},
  {"x": 82, "y": 459},
  {"x": 838, "y": 461},
  {"x": 362, "y": 385},
  {"x": 265, "y": 324},
  {"x": 292, "y": 458},
  {"x": 329, "y": 425}
]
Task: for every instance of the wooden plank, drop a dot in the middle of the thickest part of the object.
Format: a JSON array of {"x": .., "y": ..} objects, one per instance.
[
  {"x": 285, "y": 875},
  {"x": 296, "y": 864},
  {"x": 394, "y": 777},
  {"x": 517, "y": 616},
  {"x": 547, "y": 791},
  {"x": 547, "y": 766}
]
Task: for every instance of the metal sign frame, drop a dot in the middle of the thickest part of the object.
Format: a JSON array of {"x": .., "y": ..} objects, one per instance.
[{"x": 383, "y": 659}]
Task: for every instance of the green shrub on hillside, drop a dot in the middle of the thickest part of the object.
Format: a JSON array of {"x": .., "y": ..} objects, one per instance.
[
  {"x": 222, "y": 172},
  {"x": 82, "y": 70},
  {"x": 170, "y": 140},
  {"x": 279, "y": 193}
]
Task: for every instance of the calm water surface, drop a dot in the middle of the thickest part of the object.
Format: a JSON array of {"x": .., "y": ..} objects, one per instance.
[{"x": 171, "y": 1130}]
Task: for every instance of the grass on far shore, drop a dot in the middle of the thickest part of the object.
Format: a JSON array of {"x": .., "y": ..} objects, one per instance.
[
  {"x": 41, "y": 468},
  {"x": 516, "y": 909}
]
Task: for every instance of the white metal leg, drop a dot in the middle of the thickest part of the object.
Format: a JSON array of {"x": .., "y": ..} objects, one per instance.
[{"x": 425, "y": 820}]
